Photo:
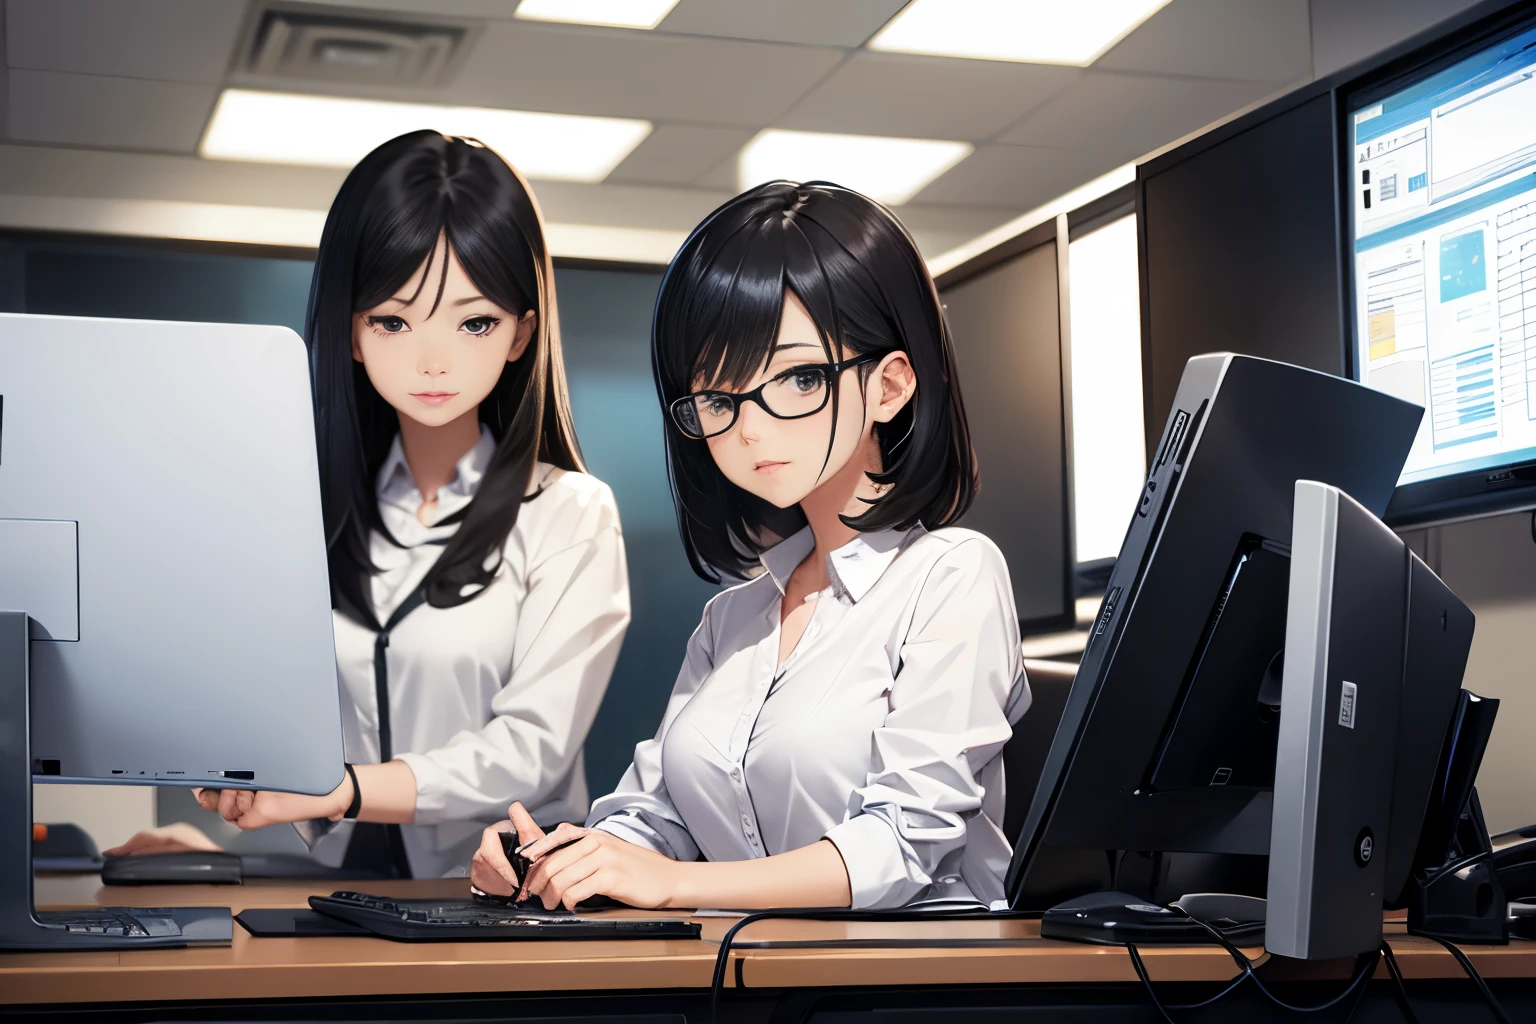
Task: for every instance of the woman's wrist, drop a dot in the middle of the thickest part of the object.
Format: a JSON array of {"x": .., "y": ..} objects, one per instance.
[
  {"x": 680, "y": 886},
  {"x": 340, "y": 798}
]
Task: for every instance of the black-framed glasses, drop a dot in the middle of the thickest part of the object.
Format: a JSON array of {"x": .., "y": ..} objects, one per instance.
[{"x": 794, "y": 393}]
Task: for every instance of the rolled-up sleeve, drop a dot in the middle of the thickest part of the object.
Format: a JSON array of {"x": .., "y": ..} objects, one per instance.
[
  {"x": 568, "y": 632},
  {"x": 640, "y": 810},
  {"x": 958, "y": 682}
]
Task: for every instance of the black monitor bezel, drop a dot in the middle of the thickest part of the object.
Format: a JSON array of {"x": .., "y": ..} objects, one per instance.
[{"x": 1510, "y": 486}]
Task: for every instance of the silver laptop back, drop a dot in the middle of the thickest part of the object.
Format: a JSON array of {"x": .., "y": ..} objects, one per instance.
[{"x": 160, "y": 520}]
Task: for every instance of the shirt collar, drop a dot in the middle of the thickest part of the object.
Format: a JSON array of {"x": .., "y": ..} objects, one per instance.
[
  {"x": 854, "y": 568},
  {"x": 397, "y": 487}
]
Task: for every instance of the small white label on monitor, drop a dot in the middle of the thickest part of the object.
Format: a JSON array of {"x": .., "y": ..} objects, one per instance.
[
  {"x": 1367, "y": 114},
  {"x": 1347, "y": 705}
]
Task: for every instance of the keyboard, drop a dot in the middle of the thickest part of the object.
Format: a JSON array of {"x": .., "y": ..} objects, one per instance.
[
  {"x": 139, "y": 927},
  {"x": 416, "y": 920}
]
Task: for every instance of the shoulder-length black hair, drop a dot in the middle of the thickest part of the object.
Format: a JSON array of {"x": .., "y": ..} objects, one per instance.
[
  {"x": 859, "y": 275},
  {"x": 384, "y": 224}
]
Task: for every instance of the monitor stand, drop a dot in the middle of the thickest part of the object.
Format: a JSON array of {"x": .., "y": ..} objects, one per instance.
[{"x": 22, "y": 926}]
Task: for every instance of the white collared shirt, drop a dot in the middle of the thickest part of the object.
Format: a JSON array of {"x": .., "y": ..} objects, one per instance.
[
  {"x": 490, "y": 700},
  {"x": 880, "y": 732}
]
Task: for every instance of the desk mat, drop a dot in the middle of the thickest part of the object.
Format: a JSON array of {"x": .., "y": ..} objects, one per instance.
[{"x": 293, "y": 922}]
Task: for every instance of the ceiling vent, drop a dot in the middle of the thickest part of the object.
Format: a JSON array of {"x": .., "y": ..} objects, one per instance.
[{"x": 316, "y": 44}]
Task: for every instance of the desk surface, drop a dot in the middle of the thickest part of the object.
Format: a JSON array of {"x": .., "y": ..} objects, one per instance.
[{"x": 253, "y": 968}]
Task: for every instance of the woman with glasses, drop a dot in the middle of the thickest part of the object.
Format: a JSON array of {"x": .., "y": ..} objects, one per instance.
[{"x": 834, "y": 733}]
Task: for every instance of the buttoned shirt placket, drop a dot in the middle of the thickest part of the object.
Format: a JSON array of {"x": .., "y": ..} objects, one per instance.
[{"x": 769, "y": 672}]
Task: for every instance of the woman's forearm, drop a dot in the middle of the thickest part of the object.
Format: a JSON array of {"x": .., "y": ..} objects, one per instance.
[
  {"x": 812, "y": 876},
  {"x": 389, "y": 792}
]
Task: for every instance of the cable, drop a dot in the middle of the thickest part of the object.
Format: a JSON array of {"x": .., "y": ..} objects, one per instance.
[
  {"x": 723, "y": 955},
  {"x": 1482, "y": 986},
  {"x": 1365, "y": 966},
  {"x": 1397, "y": 979},
  {"x": 1146, "y": 981},
  {"x": 1141, "y": 972}
]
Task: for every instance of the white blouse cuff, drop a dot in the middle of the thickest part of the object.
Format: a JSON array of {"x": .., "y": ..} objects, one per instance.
[
  {"x": 878, "y": 878},
  {"x": 431, "y": 787}
]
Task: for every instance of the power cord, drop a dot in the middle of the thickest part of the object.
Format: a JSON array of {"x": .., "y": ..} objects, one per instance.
[
  {"x": 1401, "y": 990},
  {"x": 1482, "y": 986},
  {"x": 1146, "y": 981},
  {"x": 1365, "y": 966},
  {"x": 723, "y": 955}
]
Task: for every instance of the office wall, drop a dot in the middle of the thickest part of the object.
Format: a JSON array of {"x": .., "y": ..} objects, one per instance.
[
  {"x": 1491, "y": 565},
  {"x": 605, "y": 318}
]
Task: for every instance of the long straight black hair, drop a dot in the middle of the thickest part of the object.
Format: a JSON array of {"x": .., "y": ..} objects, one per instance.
[
  {"x": 859, "y": 275},
  {"x": 383, "y": 226}
]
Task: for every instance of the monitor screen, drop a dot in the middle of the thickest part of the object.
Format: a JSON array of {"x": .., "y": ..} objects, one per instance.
[{"x": 1443, "y": 226}]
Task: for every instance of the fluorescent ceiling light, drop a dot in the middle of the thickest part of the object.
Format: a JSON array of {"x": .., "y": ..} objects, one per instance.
[
  {"x": 1031, "y": 31},
  {"x": 333, "y": 131},
  {"x": 620, "y": 13},
  {"x": 889, "y": 170}
]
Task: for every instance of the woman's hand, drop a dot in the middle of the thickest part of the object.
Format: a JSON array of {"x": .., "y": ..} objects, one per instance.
[
  {"x": 249, "y": 809},
  {"x": 489, "y": 869},
  {"x": 178, "y": 838},
  {"x": 571, "y": 864}
]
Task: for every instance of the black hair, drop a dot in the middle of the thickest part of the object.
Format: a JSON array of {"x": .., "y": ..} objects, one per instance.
[
  {"x": 384, "y": 224},
  {"x": 859, "y": 275}
]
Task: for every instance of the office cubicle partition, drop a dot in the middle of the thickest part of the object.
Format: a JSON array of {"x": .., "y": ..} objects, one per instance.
[{"x": 1007, "y": 312}]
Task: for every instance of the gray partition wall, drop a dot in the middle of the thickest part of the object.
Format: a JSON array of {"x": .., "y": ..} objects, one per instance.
[{"x": 1007, "y": 312}]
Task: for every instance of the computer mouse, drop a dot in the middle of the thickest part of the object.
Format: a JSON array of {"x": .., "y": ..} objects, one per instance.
[{"x": 201, "y": 867}]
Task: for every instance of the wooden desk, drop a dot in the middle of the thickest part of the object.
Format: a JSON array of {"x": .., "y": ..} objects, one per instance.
[{"x": 768, "y": 958}]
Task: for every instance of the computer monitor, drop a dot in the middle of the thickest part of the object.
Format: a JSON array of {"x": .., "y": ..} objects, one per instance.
[
  {"x": 1192, "y": 623},
  {"x": 1375, "y": 649},
  {"x": 160, "y": 530},
  {"x": 1439, "y": 164}
]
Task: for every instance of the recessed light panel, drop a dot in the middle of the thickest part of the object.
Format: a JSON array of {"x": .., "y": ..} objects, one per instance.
[
  {"x": 333, "y": 131},
  {"x": 1073, "y": 32},
  {"x": 887, "y": 169},
  {"x": 619, "y": 13}
]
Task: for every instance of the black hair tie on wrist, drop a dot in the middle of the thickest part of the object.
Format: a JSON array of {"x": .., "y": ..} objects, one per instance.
[{"x": 357, "y": 796}]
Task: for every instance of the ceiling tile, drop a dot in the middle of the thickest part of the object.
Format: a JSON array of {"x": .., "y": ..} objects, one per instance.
[
  {"x": 926, "y": 97},
  {"x": 1131, "y": 115},
  {"x": 1015, "y": 177},
  {"x": 826, "y": 22},
  {"x": 50, "y": 171},
  {"x": 171, "y": 40},
  {"x": 1257, "y": 40},
  {"x": 113, "y": 113},
  {"x": 638, "y": 74},
  {"x": 634, "y": 206},
  {"x": 444, "y": 8},
  {"x": 679, "y": 154}
]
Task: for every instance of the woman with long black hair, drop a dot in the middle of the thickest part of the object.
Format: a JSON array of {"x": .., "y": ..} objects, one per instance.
[
  {"x": 834, "y": 733},
  {"x": 477, "y": 572}
]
